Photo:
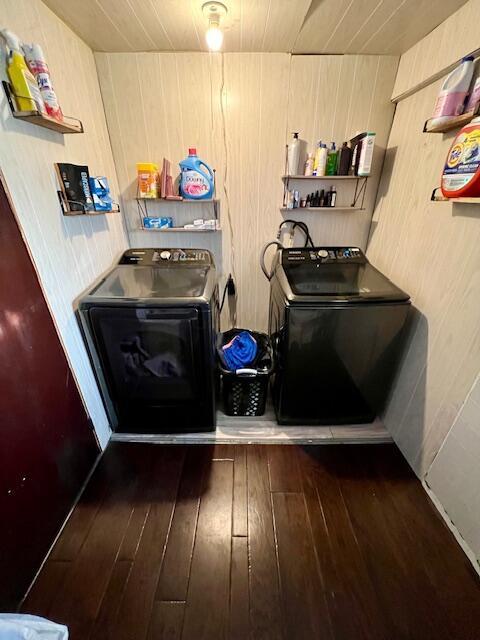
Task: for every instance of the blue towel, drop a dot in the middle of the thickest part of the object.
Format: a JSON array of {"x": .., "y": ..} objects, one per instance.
[{"x": 240, "y": 351}]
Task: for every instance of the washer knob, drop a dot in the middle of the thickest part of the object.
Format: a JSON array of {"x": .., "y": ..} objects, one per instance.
[
  {"x": 165, "y": 255},
  {"x": 323, "y": 253}
]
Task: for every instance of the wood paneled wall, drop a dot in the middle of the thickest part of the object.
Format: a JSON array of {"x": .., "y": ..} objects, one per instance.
[
  {"x": 69, "y": 253},
  {"x": 449, "y": 42},
  {"x": 430, "y": 249},
  {"x": 160, "y": 104}
]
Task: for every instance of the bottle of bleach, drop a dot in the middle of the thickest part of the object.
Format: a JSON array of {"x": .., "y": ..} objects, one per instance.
[{"x": 196, "y": 178}]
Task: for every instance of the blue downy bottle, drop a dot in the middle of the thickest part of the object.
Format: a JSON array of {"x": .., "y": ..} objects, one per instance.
[{"x": 196, "y": 178}]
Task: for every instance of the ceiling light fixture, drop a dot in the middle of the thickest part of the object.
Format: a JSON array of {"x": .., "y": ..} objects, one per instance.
[{"x": 214, "y": 35}]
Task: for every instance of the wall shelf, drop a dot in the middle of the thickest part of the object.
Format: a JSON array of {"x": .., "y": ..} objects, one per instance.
[
  {"x": 181, "y": 230},
  {"x": 69, "y": 125},
  {"x": 70, "y": 213},
  {"x": 454, "y": 123},
  {"x": 178, "y": 201},
  {"x": 325, "y": 178},
  {"x": 437, "y": 196},
  {"x": 347, "y": 208}
]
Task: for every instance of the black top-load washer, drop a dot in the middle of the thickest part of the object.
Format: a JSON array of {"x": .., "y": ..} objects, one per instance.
[
  {"x": 150, "y": 327},
  {"x": 338, "y": 327}
]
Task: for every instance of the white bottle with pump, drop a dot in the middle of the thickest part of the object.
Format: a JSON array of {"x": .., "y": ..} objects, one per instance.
[{"x": 293, "y": 155}]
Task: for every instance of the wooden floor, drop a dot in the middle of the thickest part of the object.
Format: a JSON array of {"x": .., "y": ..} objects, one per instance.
[{"x": 263, "y": 542}]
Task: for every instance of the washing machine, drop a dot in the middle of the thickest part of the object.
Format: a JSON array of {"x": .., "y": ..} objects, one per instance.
[
  {"x": 338, "y": 328},
  {"x": 150, "y": 326}
]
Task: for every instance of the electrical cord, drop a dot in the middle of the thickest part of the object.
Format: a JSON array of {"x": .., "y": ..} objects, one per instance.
[{"x": 301, "y": 225}]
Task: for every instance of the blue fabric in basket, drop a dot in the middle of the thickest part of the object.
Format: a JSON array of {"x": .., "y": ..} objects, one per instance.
[{"x": 240, "y": 351}]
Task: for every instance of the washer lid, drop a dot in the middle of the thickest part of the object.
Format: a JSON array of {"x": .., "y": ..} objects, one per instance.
[
  {"x": 336, "y": 274},
  {"x": 147, "y": 283}
]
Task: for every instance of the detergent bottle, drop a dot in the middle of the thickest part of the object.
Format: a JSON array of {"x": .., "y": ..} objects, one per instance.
[
  {"x": 25, "y": 89},
  {"x": 461, "y": 173},
  {"x": 196, "y": 178}
]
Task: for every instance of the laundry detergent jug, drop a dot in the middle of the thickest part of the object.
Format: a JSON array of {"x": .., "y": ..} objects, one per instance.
[
  {"x": 461, "y": 173},
  {"x": 197, "y": 180}
]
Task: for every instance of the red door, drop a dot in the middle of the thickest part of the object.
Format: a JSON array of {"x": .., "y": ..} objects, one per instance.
[{"x": 47, "y": 445}]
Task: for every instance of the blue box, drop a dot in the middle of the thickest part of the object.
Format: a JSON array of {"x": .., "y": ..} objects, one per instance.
[{"x": 157, "y": 223}]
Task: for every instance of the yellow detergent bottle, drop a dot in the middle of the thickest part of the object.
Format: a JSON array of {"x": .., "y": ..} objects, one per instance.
[{"x": 24, "y": 86}]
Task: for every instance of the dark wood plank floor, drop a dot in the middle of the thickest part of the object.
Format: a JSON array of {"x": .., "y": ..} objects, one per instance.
[{"x": 257, "y": 542}]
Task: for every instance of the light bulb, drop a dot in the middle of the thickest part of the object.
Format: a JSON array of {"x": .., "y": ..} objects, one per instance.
[{"x": 214, "y": 37}]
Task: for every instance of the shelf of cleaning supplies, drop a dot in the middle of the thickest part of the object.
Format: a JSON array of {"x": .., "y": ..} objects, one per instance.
[
  {"x": 68, "y": 125},
  {"x": 454, "y": 122},
  {"x": 335, "y": 208},
  {"x": 325, "y": 178},
  {"x": 437, "y": 196}
]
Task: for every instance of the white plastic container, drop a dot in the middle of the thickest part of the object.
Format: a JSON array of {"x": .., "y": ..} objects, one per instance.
[
  {"x": 452, "y": 95},
  {"x": 293, "y": 156},
  {"x": 309, "y": 164},
  {"x": 320, "y": 164},
  {"x": 366, "y": 155}
]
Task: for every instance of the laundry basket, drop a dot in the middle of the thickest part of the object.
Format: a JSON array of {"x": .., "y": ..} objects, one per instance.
[{"x": 245, "y": 391}]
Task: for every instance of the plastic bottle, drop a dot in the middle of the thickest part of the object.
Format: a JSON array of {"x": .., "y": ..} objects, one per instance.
[
  {"x": 333, "y": 196},
  {"x": 293, "y": 155},
  {"x": 332, "y": 161},
  {"x": 38, "y": 66},
  {"x": 25, "y": 89},
  {"x": 366, "y": 155},
  {"x": 344, "y": 159},
  {"x": 320, "y": 160},
  {"x": 452, "y": 95},
  {"x": 309, "y": 164},
  {"x": 461, "y": 173},
  {"x": 197, "y": 180},
  {"x": 474, "y": 98}
]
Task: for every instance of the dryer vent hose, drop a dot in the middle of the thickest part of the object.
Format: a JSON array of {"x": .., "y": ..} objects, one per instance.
[{"x": 279, "y": 245}]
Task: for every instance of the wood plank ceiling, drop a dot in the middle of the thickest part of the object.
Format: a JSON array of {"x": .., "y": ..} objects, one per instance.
[{"x": 298, "y": 26}]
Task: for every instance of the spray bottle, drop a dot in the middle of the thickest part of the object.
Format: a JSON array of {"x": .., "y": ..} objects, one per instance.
[
  {"x": 38, "y": 66},
  {"x": 24, "y": 86}
]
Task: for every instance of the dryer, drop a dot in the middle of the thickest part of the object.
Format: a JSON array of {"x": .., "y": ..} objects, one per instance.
[
  {"x": 338, "y": 328},
  {"x": 150, "y": 327}
]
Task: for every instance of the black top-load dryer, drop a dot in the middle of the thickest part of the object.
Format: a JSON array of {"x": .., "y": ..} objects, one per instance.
[
  {"x": 338, "y": 328},
  {"x": 150, "y": 327}
]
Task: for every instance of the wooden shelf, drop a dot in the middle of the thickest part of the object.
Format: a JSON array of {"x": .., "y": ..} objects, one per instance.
[
  {"x": 454, "y": 123},
  {"x": 68, "y": 125},
  {"x": 349, "y": 208},
  {"x": 437, "y": 196},
  {"x": 182, "y": 201},
  {"x": 89, "y": 213},
  {"x": 325, "y": 178},
  {"x": 181, "y": 230}
]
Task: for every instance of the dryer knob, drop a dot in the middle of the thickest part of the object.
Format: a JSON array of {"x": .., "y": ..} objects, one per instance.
[
  {"x": 165, "y": 255},
  {"x": 323, "y": 253}
]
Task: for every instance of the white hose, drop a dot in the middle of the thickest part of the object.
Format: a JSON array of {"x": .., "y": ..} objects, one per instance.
[{"x": 268, "y": 275}]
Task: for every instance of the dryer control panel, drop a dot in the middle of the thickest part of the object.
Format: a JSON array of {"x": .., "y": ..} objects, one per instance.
[
  {"x": 323, "y": 255},
  {"x": 161, "y": 257}
]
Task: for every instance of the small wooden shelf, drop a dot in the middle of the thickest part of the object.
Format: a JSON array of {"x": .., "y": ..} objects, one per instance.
[
  {"x": 182, "y": 201},
  {"x": 347, "y": 208},
  {"x": 181, "y": 230},
  {"x": 68, "y": 125},
  {"x": 454, "y": 123},
  {"x": 70, "y": 213},
  {"x": 437, "y": 196},
  {"x": 325, "y": 178}
]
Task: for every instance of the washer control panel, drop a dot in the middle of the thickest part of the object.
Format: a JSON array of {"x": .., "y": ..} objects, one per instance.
[
  {"x": 322, "y": 255},
  {"x": 163, "y": 257}
]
